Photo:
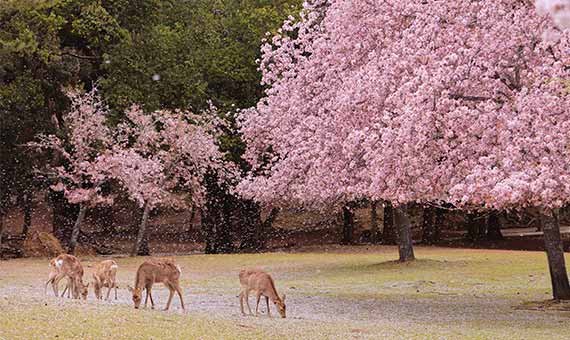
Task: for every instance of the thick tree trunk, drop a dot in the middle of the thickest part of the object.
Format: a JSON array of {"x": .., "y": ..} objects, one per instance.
[
  {"x": 555, "y": 254},
  {"x": 253, "y": 238},
  {"x": 347, "y": 225},
  {"x": 77, "y": 228},
  {"x": 142, "y": 228},
  {"x": 376, "y": 234},
  {"x": 494, "y": 226},
  {"x": 388, "y": 231},
  {"x": 404, "y": 227},
  {"x": 28, "y": 206},
  {"x": 429, "y": 226}
]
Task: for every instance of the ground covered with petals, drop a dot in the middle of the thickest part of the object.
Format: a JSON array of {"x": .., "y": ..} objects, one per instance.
[{"x": 334, "y": 293}]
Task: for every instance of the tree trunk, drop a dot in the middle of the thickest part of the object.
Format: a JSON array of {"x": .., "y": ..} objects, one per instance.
[
  {"x": 28, "y": 206},
  {"x": 348, "y": 225},
  {"x": 142, "y": 229},
  {"x": 494, "y": 226},
  {"x": 267, "y": 225},
  {"x": 439, "y": 220},
  {"x": 472, "y": 229},
  {"x": 428, "y": 226},
  {"x": 405, "y": 244},
  {"x": 376, "y": 235},
  {"x": 389, "y": 232},
  {"x": 64, "y": 216},
  {"x": 252, "y": 238},
  {"x": 1, "y": 227},
  {"x": 555, "y": 254},
  {"x": 77, "y": 228}
]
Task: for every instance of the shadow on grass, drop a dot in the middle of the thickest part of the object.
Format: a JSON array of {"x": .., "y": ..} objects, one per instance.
[
  {"x": 546, "y": 305},
  {"x": 417, "y": 264}
]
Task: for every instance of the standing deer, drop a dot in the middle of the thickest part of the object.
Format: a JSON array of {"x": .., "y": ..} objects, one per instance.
[
  {"x": 105, "y": 275},
  {"x": 156, "y": 271},
  {"x": 262, "y": 284},
  {"x": 68, "y": 266}
]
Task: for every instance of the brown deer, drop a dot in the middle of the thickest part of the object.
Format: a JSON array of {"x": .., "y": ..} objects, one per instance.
[
  {"x": 262, "y": 284},
  {"x": 68, "y": 266},
  {"x": 156, "y": 271},
  {"x": 105, "y": 275},
  {"x": 53, "y": 273}
]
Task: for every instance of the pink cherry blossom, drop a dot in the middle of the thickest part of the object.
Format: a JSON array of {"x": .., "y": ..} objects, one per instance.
[
  {"x": 87, "y": 140},
  {"x": 412, "y": 101}
]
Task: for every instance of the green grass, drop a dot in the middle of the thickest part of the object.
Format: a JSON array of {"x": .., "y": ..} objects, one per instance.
[{"x": 332, "y": 293}]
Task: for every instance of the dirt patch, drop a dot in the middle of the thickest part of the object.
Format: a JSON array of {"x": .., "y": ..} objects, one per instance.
[{"x": 42, "y": 244}]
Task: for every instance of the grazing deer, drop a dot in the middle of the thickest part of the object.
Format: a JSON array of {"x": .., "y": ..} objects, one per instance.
[
  {"x": 262, "y": 284},
  {"x": 53, "y": 273},
  {"x": 105, "y": 275},
  {"x": 68, "y": 266},
  {"x": 156, "y": 271}
]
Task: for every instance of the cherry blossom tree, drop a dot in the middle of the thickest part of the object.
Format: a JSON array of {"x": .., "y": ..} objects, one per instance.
[
  {"x": 162, "y": 157},
  {"x": 84, "y": 140},
  {"x": 427, "y": 101}
]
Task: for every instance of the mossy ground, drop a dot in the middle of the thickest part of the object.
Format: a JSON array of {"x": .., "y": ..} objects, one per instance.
[{"x": 332, "y": 293}]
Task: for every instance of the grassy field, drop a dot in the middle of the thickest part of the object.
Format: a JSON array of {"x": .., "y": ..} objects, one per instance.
[{"x": 333, "y": 293}]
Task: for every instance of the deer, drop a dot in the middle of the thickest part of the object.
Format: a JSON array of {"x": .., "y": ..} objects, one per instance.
[
  {"x": 262, "y": 284},
  {"x": 69, "y": 267},
  {"x": 156, "y": 271},
  {"x": 54, "y": 272},
  {"x": 104, "y": 275}
]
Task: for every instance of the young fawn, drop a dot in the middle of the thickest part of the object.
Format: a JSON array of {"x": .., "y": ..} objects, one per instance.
[
  {"x": 68, "y": 266},
  {"x": 156, "y": 271},
  {"x": 262, "y": 284},
  {"x": 104, "y": 275}
]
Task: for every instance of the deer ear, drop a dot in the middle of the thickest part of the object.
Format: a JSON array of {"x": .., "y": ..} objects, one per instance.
[{"x": 283, "y": 298}]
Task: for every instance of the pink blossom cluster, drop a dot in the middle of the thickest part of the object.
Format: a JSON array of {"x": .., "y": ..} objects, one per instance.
[
  {"x": 162, "y": 157},
  {"x": 87, "y": 138},
  {"x": 157, "y": 158},
  {"x": 413, "y": 101}
]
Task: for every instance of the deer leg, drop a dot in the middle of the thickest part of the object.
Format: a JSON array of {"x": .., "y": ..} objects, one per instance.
[
  {"x": 69, "y": 287},
  {"x": 241, "y": 295},
  {"x": 146, "y": 297},
  {"x": 179, "y": 291},
  {"x": 55, "y": 283},
  {"x": 149, "y": 292},
  {"x": 170, "y": 295},
  {"x": 267, "y": 302},
  {"x": 247, "y": 302},
  {"x": 50, "y": 281},
  {"x": 115, "y": 285},
  {"x": 110, "y": 285},
  {"x": 257, "y": 304}
]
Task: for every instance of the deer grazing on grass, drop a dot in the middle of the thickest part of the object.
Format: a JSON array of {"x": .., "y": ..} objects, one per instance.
[
  {"x": 104, "y": 275},
  {"x": 156, "y": 271},
  {"x": 67, "y": 266},
  {"x": 262, "y": 284}
]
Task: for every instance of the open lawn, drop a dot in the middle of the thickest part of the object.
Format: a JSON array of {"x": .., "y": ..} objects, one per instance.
[{"x": 333, "y": 293}]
